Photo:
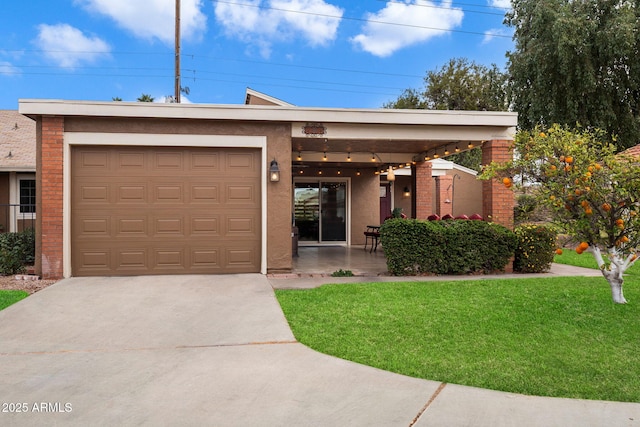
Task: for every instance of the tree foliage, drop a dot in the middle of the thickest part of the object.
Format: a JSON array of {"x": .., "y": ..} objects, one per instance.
[
  {"x": 145, "y": 98},
  {"x": 577, "y": 62},
  {"x": 591, "y": 193},
  {"x": 459, "y": 85}
]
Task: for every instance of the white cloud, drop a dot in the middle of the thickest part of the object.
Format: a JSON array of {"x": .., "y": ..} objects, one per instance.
[
  {"x": 68, "y": 46},
  {"x": 261, "y": 23},
  {"x": 152, "y": 19},
  {"x": 493, "y": 33},
  {"x": 418, "y": 22},
  {"x": 502, "y": 4},
  {"x": 8, "y": 69}
]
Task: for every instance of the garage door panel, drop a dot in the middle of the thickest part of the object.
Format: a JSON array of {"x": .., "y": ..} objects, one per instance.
[
  {"x": 205, "y": 162},
  {"x": 132, "y": 259},
  {"x": 165, "y": 211},
  {"x": 172, "y": 160},
  {"x": 169, "y": 226},
  {"x": 95, "y": 160},
  {"x": 207, "y": 194},
  {"x": 127, "y": 193},
  {"x": 131, "y": 227},
  {"x": 207, "y": 258},
  {"x": 168, "y": 193},
  {"x": 169, "y": 258},
  {"x": 131, "y": 160}
]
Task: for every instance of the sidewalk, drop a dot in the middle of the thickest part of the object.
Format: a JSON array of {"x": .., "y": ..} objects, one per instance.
[{"x": 313, "y": 280}]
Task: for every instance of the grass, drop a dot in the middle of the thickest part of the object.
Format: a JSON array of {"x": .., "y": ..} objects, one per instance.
[
  {"x": 587, "y": 260},
  {"x": 558, "y": 337},
  {"x": 11, "y": 297}
]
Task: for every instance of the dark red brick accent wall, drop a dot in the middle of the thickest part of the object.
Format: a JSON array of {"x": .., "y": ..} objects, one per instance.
[
  {"x": 49, "y": 247},
  {"x": 423, "y": 186},
  {"x": 497, "y": 200}
]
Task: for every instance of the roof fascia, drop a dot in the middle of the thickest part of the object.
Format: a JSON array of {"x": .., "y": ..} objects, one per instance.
[{"x": 35, "y": 107}]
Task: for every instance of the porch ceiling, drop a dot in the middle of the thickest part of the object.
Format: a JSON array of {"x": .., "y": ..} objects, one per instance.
[{"x": 370, "y": 152}]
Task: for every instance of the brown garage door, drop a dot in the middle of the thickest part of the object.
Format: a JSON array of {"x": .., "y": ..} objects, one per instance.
[{"x": 150, "y": 210}]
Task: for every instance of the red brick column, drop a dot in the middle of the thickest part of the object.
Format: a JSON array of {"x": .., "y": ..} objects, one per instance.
[
  {"x": 423, "y": 190},
  {"x": 49, "y": 203},
  {"x": 444, "y": 193},
  {"x": 497, "y": 200}
]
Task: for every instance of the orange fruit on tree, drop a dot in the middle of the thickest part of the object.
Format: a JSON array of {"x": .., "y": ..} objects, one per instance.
[
  {"x": 606, "y": 207},
  {"x": 561, "y": 158},
  {"x": 598, "y": 166},
  {"x": 507, "y": 181},
  {"x": 619, "y": 221},
  {"x": 624, "y": 239},
  {"x": 568, "y": 159},
  {"x": 588, "y": 211},
  {"x": 558, "y": 251},
  {"x": 584, "y": 246},
  {"x": 579, "y": 251}
]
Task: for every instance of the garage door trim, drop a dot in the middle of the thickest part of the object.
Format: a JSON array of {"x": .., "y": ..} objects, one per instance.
[{"x": 157, "y": 140}]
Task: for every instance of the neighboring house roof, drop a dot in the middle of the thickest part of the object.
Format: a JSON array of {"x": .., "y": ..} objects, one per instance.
[
  {"x": 633, "y": 151},
  {"x": 253, "y": 97},
  {"x": 17, "y": 142},
  {"x": 438, "y": 167}
]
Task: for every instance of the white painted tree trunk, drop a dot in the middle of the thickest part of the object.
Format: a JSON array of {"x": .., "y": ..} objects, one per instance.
[{"x": 614, "y": 271}]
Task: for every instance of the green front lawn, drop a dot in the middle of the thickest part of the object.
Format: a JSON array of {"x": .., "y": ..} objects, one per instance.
[
  {"x": 587, "y": 260},
  {"x": 549, "y": 337},
  {"x": 11, "y": 297}
]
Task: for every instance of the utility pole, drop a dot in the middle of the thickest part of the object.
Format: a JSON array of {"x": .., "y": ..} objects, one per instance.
[{"x": 177, "y": 44}]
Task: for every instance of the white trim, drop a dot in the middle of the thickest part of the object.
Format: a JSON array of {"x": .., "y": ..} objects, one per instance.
[
  {"x": 152, "y": 140},
  {"x": 501, "y": 119},
  {"x": 14, "y": 199},
  {"x": 164, "y": 140}
]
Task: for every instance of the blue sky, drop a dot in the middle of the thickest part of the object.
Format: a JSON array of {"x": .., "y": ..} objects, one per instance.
[{"x": 325, "y": 53}]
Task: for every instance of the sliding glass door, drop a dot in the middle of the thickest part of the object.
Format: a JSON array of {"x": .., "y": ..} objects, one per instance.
[{"x": 321, "y": 210}]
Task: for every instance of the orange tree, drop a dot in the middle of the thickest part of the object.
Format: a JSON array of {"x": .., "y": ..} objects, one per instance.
[{"x": 592, "y": 193}]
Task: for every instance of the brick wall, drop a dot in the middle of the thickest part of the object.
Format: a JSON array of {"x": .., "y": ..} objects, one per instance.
[
  {"x": 49, "y": 187},
  {"x": 497, "y": 200},
  {"x": 423, "y": 193}
]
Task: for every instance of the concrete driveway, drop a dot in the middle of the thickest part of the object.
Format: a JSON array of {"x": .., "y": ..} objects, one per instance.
[{"x": 217, "y": 351}]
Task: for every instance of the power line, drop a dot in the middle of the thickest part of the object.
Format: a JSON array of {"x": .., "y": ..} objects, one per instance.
[{"x": 446, "y": 30}]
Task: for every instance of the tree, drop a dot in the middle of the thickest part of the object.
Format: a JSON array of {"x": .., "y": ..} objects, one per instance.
[
  {"x": 590, "y": 192},
  {"x": 459, "y": 85},
  {"x": 577, "y": 62},
  {"x": 145, "y": 98},
  {"x": 116, "y": 99}
]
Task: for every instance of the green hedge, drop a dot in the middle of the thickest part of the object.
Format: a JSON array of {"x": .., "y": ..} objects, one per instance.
[
  {"x": 536, "y": 246},
  {"x": 414, "y": 247},
  {"x": 16, "y": 250}
]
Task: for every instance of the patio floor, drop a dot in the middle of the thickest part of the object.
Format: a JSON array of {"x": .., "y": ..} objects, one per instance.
[{"x": 327, "y": 259}]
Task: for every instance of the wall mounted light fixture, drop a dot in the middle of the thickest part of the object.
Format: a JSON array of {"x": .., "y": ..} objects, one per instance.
[
  {"x": 274, "y": 171},
  {"x": 406, "y": 192}
]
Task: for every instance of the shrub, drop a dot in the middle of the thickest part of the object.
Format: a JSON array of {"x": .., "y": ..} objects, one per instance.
[
  {"x": 535, "y": 250},
  {"x": 445, "y": 247},
  {"x": 342, "y": 273},
  {"x": 16, "y": 250}
]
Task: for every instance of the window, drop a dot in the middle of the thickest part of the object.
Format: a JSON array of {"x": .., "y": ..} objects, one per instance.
[{"x": 27, "y": 195}]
